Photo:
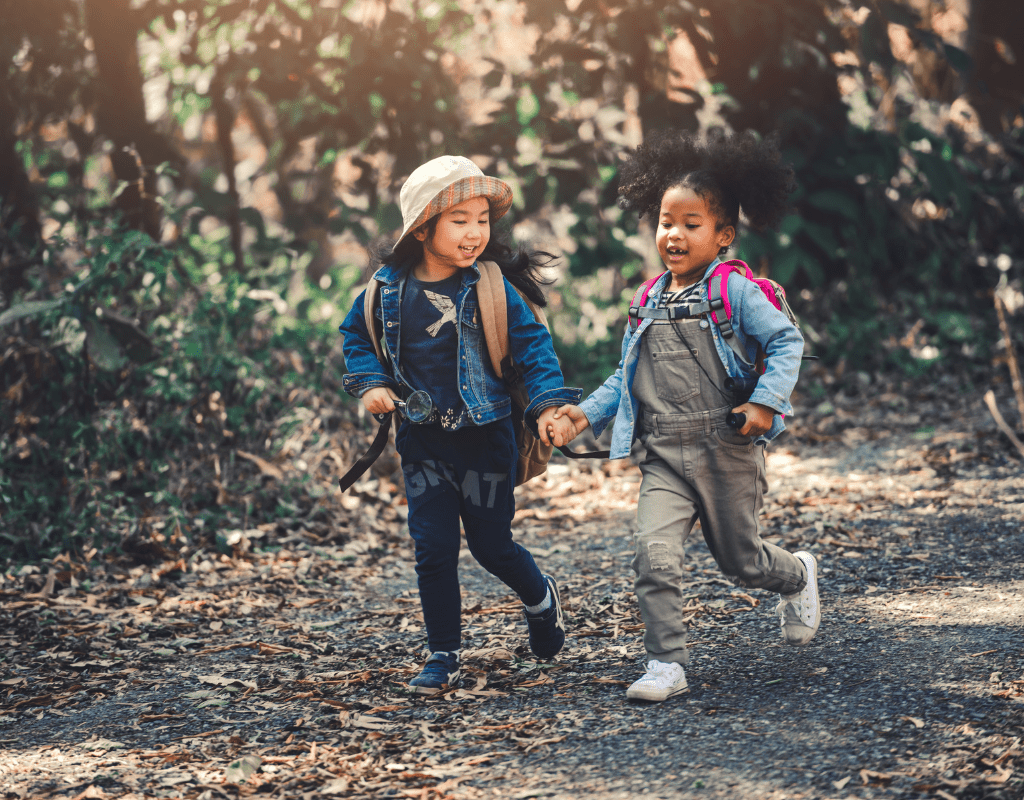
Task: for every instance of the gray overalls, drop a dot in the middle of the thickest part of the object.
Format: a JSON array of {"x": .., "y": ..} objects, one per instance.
[{"x": 696, "y": 467}]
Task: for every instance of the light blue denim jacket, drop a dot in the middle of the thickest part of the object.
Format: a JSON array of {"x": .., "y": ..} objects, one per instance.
[
  {"x": 754, "y": 320},
  {"x": 484, "y": 393}
]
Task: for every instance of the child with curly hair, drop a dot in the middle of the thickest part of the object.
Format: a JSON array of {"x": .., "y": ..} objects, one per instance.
[
  {"x": 670, "y": 391},
  {"x": 461, "y": 462}
]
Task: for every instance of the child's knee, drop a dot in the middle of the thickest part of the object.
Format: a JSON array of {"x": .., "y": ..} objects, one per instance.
[{"x": 657, "y": 556}]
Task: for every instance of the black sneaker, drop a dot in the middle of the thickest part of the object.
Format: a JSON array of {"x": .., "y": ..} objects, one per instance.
[
  {"x": 440, "y": 672},
  {"x": 547, "y": 628}
]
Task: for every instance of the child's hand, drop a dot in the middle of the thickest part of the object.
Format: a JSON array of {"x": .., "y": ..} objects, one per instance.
[
  {"x": 759, "y": 418},
  {"x": 568, "y": 422},
  {"x": 557, "y": 432},
  {"x": 547, "y": 426},
  {"x": 379, "y": 400}
]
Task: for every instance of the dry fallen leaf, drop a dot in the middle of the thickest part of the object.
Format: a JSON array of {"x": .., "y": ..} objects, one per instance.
[
  {"x": 239, "y": 771},
  {"x": 266, "y": 468},
  {"x": 219, "y": 680}
]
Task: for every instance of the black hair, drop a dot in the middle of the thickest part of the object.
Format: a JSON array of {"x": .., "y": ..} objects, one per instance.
[
  {"x": 521, "y": 266},
  {"x": 730, "y": 172}
]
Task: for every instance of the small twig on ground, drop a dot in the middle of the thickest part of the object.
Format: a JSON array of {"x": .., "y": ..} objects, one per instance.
[
  {"x": 1011, "y": 355},
  {"x": 990, "y": 401}
]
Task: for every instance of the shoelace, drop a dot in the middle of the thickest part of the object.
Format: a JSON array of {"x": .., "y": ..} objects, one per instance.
[
  {"x": 795, "y": 611},
  {"x": 657, "y": 673}
]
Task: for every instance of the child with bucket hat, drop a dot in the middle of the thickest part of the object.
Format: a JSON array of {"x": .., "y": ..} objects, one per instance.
[{"x": 461, "y": 463}]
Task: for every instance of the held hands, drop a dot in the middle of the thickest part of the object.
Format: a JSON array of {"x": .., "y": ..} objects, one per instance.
[
  {"x": 559, "y": 426},
  {"x": 759, "y": 418},
  {"x": 379, "y": 400}
]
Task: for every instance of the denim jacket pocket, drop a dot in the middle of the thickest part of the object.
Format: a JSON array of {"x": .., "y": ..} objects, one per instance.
[{"x": 471, "y": 314}]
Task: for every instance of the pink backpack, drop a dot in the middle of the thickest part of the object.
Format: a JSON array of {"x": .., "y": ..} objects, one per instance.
[{"x": 718, "y": 301}]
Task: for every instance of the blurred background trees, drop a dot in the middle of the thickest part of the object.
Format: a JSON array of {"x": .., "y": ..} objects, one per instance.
[{"x": 188, "y": 191}]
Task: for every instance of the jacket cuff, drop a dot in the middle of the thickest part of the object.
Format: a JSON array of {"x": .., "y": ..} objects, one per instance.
[
  {"x": 765, "y": 398},
  {"x": 358, "y": 383},
  {"x": 553, "y": 397},
  {"x": 592, "y": 412}
]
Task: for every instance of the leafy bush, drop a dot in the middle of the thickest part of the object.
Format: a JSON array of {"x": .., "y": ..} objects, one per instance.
[{"x": 110, "y": 425}]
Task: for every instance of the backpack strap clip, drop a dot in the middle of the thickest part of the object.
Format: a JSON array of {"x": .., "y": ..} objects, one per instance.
[{"x": 638, "y": 301}]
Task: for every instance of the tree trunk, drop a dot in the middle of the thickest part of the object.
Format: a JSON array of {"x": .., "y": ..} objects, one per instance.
[
  {"x": 122, "y": 111},
  {"x": 996, "y": 45},
  {"x": 225, "y": 116}
]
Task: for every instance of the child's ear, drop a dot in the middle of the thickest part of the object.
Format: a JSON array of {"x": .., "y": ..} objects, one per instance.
[
  {"x": 726, "y": 236},
  {"x": 420, "y": 233}
]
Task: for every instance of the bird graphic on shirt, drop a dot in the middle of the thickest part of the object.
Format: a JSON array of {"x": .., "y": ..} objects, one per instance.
[{"x": 445, "y": 305}]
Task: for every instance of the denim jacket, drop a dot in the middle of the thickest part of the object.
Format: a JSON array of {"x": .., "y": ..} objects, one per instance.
[
  {"x": 754, "y": 320},
  {"x": 484, "y": 393}
]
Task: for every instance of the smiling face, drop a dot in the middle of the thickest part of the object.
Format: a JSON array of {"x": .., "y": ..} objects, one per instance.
[
  {"x": 460, "y": 236},
  {"x": 689, "y": 237}
]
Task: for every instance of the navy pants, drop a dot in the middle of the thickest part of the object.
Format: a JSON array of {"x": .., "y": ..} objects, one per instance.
[{"x": 466, "y": 474}]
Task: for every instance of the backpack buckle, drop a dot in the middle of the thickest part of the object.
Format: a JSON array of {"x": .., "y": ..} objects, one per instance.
[{"x": 726, "y": 328}]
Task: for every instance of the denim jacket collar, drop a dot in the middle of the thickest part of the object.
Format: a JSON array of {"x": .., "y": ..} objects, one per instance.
[{"x": 390, "y": 274}]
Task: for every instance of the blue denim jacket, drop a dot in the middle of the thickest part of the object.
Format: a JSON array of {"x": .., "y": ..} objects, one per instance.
[
  {"x": 754, "y": 320},
  {"x": 484, "y": 393}
]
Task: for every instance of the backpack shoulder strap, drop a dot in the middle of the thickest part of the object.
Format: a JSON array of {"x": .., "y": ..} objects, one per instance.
[
  {"x": 369, "y": 307},
  {"x": 490, "y": 295},
  {"x": 640, "y": 297},
  {"x": 718, "y": 288},
  {"x": 718, "y": 299}
]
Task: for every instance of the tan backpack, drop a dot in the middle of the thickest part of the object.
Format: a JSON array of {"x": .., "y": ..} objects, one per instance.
[{"x": 490, "y": 291}]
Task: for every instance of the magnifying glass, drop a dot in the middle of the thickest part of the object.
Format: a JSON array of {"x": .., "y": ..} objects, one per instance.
[{"x": 417, "y": 408}]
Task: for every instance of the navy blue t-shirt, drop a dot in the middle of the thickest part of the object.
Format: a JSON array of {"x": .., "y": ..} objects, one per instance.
[{"x": 429, "y": 345}]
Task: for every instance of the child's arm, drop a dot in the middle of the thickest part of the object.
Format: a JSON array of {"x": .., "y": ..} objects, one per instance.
[
  {"x": 783, "y": 345},
  {"x": 364, "y": 369},
  {"x": 534, "y": 354}
]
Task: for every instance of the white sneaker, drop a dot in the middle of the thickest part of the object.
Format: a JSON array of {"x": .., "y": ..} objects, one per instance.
[
  {"x": 800, "y": 613},
  {"x": 660, "y": 682}
]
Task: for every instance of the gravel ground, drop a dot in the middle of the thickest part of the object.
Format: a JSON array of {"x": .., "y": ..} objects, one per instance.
[{"x": 914, "y": 686}]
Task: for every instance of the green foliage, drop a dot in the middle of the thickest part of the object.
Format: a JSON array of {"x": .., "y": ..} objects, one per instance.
[
  {"x": 273, "y": 140},
  {"x": 95, "y": 437}
]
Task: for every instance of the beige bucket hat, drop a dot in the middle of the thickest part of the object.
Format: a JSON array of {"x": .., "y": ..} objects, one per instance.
[{"x": 445, "y": 182}]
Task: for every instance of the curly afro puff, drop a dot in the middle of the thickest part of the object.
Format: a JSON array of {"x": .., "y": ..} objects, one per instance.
[{"x": 729, "y": 171}]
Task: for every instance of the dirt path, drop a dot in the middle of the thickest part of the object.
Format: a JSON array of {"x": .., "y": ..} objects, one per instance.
[{"x": 281, "y": 672}]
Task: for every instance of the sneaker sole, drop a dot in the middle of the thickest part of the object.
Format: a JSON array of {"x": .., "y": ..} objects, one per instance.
[
  {"x": 812, "y": 580},
  {"x": 556, "y": 598},
  {"x": 653, "y": 695}
]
